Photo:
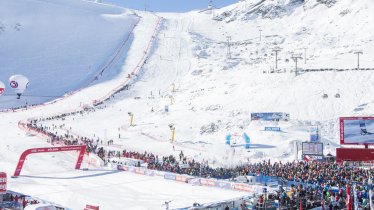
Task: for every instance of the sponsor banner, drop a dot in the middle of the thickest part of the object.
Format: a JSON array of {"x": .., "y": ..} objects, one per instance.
[
  {"x": 159, "y": 173},
  {"x": 250, "y": 188},
  {"x": 122, "y": 168},
  {"x": 131, "y": 169},
  {"x": 308, "y": 158},
  {"x": 312, "y": 148},
  {"x": 149, "y": 172},
  {"x": 80, "y": 148},
  {"x": 207, "y": 182},
  {"x": 195, "y": 181},
  {"x": 181, "y": 178},
  {"x": 270, "y": 116},
  {"x": 272, "y": 129},
  {"x": 314, "y": 134},
  {"x": 3, "y": 183},
  {"x": 184, "y": 165},
  {"x": 272, "y": 189},
  {"x": 245, "y": 187},
  {"x": 354, "y": 154},
  {"x": 314, "y": 138},
  {"x": 112, "y": 166},
  {"x": 140, "y": 171},
  {"x": 91, "y": 207},
  {"x": 357, "y": 130},
  {"x": 224, "y": 185},
  {"x": 169, "y": 176}
]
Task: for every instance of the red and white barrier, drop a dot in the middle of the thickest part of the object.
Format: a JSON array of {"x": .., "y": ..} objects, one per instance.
[
  {"x": 3, "y": 183},
  {"x": 91, "y": 207}
]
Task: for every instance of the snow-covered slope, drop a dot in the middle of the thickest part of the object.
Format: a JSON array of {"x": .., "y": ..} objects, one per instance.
[
  {"x": 214, "y": 96},
  {"x": 208, "y": 95},
  {"x": 43, "y": 173},
  {"x": 59, "y": 45}
]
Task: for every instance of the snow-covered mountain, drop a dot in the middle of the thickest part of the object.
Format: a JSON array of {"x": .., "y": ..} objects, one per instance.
[{"x": 180, "y": 62}]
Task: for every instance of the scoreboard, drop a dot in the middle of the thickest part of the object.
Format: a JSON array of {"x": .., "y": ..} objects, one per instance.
[{"x": 312, "y": 148}]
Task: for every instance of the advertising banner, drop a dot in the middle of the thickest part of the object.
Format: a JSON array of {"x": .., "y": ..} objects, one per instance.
[
  {"x": 357, "y": 130},
  {"x": 195, "y": 181},
  {"x": 273, "y": 129},
  {"x": 169, "y": 176},
  {"x": 354, "y": 154},
  {"x": 312, "y": 148},
  {"x": 308, "y": 158},
  {"x": 270, "y": 116},
  {"x": 314, "y": 134},
  {"x": 140, "y": 171},
  {"x": 131, "y": 169},
  {"x": 3, "y": 181},
  {"x": 149, "y": 172},
  {"x": 245, "y": 187},
  {"x": 122, "y": 168},
  {"x": 159, "y": 173},
  {"x": 181, "y": 178},
  {"x": 80, "y": 148},
  {"x": 208, "y": 182},
  {"x": 222, "y": 184}
]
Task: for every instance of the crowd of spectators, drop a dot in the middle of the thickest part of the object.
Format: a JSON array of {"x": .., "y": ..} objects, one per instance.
[
  {"x": 323, "y": 175},
  {"x": 17, "y": 201},
  {"x": 319, "y": 173}
]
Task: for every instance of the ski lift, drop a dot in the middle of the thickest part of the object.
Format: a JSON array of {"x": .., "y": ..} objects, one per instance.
[
  {"x": 325, "y": 95},
  {"x": 337, "y": 95}
]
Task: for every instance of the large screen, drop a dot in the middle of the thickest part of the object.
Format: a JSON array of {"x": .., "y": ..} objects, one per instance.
[
  {"x": 357, "y": 130},
  {"x": 311, "y": 148}
]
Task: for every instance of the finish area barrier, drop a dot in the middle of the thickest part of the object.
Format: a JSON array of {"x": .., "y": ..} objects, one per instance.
[{"x": 80, "y": 148}]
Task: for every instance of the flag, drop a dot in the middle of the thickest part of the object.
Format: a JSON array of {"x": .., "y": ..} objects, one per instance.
[
  {"x": 307, "y": 158},
  {"x": 371, "y": 199},
  {"x": 355, "y": 201},
  {"x": 349, "y": 206}
]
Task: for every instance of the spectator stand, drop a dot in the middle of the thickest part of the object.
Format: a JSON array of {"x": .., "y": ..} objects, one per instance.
[{"x": 18, "y": 201}]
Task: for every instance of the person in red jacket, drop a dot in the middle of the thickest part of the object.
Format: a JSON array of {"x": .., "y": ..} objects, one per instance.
[
  {"x": 24, "y": 202},
  {"x": 260, "y": 201},
  {"x": 16, "y": 199}
]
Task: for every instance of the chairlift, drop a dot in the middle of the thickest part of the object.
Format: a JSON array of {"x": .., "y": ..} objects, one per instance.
[
  {"x": 337, "y": 95},
  {"x": 325, "y": 95}
]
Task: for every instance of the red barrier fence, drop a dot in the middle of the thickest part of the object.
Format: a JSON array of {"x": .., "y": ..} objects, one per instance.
[{"x": 3, "y": 181}]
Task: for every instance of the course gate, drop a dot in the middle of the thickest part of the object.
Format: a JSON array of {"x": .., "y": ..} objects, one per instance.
[{"x": 80, "y": 148}]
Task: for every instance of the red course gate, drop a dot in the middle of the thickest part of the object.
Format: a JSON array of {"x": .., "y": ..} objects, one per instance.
[{"x": 80, "y": 148}]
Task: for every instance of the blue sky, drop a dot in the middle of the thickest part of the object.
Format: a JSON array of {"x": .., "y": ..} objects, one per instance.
[{"x": 169, "y": 5}]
